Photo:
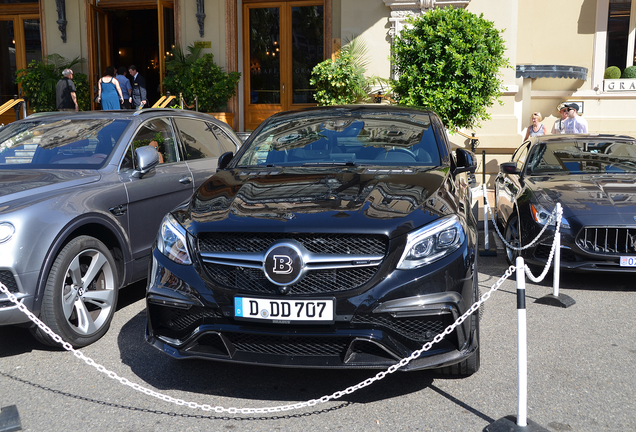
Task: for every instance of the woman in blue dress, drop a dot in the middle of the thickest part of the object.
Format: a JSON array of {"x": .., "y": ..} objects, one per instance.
[{"x": 109, "y": 94}]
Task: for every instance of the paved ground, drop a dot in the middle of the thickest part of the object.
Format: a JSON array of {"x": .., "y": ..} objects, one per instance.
[{"x": 581, "y": 375}]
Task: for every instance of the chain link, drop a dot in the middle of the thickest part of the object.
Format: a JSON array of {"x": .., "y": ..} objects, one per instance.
[
  {"x": 556, "y": 213},
  {"x": 280, "y": 408}
]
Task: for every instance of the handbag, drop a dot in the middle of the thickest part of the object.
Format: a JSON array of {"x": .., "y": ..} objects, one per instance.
[{"x": 96, "y": 100}]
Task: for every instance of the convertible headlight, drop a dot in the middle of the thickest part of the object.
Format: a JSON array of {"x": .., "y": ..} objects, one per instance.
[
  {"x": 171, "y": 241},
  {"x": 432, "y": 243},
  {"x": 542, "y": 216},
  {"x": 6, "y": 231}
]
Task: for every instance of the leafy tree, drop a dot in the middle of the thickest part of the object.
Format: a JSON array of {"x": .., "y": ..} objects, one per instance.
[
  {"x": 40, "y": 78},
  {"x": 449, "y": 60}
]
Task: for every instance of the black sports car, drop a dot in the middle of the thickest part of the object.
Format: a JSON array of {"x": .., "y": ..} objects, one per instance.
[
  {"x": 592, "y": 177},
  {"x": 336, "y": 237}
]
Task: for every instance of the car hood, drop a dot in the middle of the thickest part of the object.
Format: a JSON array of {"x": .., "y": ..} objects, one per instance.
[
  {"x": 17, "y": 185},
  {"x": 391, "y": 202},
  {"x": 613, "y": 196}
]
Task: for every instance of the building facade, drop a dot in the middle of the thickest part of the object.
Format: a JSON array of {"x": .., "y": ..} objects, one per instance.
[{"x": 559, "y": 51}]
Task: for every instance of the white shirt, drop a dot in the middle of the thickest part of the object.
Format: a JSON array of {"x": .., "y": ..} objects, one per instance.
[{"x": 575, "y": 125}]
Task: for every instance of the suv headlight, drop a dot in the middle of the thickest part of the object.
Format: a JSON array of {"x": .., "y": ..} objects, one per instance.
[
  {"x": 432, "y": 243},
  {"x": 171, "y": 241},
  {"x": 542, "y": 216}
]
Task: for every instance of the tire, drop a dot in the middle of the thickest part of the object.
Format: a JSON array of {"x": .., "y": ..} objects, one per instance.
[
  {"x": 81, "y": 293},
  {"x": 512, "y": 235}
]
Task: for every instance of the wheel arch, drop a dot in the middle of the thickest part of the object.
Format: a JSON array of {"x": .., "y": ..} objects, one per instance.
[{"x": 94, "y": 225}]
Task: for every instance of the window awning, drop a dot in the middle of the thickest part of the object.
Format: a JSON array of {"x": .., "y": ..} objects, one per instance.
[{"x": 551, "y": 71}]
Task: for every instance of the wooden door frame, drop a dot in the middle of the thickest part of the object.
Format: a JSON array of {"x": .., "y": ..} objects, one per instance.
[
  {"x": 94, "y": 72},
  {"x": 232, "y": 48}
]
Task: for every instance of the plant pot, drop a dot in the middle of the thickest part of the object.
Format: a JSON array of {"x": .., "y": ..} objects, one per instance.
[{"x": 227, "y": 117}]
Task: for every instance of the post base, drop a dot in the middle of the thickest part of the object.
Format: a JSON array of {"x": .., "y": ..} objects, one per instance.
[
  {"x": 10, "y": 419},
  {"x": 492, "y": 247},
  {"x": 509, "y": 424},
  {"x": 561, "y": 300}
]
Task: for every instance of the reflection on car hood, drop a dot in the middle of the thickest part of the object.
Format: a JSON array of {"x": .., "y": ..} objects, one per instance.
[
  {"x": 589, "y": 194},
  {"x": 18, "y": 184},
  {"x": 389, "y": 203}
]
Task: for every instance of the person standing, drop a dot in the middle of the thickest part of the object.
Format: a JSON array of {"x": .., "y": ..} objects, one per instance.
[
  {"x": 124, "y": 84},
  {"x": 109, "y": 93},
  {"x": 65, "y": 93},
  {"x": 559, "y": 126},
  {"x": 574, "y": 124},
  {"x": 536, "y": 128},
  {"x": 138, "y": 96}
]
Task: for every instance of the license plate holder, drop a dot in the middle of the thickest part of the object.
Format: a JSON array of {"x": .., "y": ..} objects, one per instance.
[
  {"x": 627, "y": 261},
  {"x": 285, "y": 311}
]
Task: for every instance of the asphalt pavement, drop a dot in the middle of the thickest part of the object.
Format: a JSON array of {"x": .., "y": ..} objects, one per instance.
[{"x": 580, "y": 375}]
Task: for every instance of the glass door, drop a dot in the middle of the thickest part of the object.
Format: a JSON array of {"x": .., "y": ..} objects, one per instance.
[
  {"x": 166, "y": 35},
  {"x": 283, "y": 41}
]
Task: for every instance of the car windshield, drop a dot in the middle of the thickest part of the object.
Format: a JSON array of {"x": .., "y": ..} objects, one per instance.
[
  {"x": 583, "y": 157},
  {"x": 59, "y": 143},
  {"x": 367, "y": 139}
]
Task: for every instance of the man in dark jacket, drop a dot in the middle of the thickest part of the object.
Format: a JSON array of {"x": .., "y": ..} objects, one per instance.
[
  {"x": 138, "y": 98},
  {"x": 65, "y": 92}
]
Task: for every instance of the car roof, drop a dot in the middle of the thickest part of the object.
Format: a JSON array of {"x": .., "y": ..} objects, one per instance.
[
  {"x": 581, "y": 137},
  {"x": 121, "y": 114},
  {"x": 361, "y": 108}
]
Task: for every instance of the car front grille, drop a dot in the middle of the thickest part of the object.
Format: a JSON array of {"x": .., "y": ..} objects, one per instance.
[
  {"x": 315, "y": 282},
  {"x": 285, "y": 345},
  {"x": 420, "y": 329},
  {"x": 607, "y": 240},
  {"x": 315, "y": 243},
  {"x": 247, "y": 279},
  {"x": 179, "y": 320}
]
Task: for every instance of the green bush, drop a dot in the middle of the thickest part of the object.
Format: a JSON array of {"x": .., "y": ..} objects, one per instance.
[
  {"x": 612, "y": 72},
  {"x": 450, "y": 60},
  {"x": 339, "y": 81},
  {"x": 198, "y": 76},
  {"x": 40, "y": 78},
  {"x": 629, "y": 72}
]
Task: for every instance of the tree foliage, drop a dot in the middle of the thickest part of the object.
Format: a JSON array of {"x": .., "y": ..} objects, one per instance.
[
  {"x": 40, "y": 78},
  {"x": 450, "y": 60},
  {"x": 196, "y": 75}
]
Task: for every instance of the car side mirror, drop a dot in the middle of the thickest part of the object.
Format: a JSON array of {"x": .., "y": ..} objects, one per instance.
[
  {"x": 466, "y": 161},
  {"x": 224, "y": 160},
  {"x": 147, "y": 158},
  {"x": 509, "y": 168}
]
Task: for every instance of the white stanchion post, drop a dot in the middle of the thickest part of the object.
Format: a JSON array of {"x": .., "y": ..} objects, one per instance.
[
  {"x": 522, "y": 346},
  {"x": 557, "y": 265},
  {"x": 486, "y": 237}
]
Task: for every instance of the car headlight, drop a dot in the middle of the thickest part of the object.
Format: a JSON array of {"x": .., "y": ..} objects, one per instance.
[
  {"x": 432, "y": 243},
  {"x": 542, "y": 216},
  {"x": 6, "y": 231},
  {"x": 171, "y": 241}
]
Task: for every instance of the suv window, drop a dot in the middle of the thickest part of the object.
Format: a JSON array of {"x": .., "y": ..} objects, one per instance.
[
  {"x": 157, "y": 133},
  {"x": 197, "y": 138}
]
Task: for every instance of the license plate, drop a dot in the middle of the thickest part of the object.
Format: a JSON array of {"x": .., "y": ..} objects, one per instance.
[
  {"x": 284, "y": 311},
  {"x": 628, "y": 261}
]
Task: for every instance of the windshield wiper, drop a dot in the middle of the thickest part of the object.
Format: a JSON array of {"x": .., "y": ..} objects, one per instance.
[{"x": 348, "y": 163}]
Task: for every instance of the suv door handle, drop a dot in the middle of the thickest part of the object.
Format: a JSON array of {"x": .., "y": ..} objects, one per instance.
[{"x": 185, "y": 180}]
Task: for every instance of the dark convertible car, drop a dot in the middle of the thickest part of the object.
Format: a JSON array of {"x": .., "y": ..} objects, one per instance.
[
  {"x": 336, "y": 237},
  {"x": 593, "y": 177}
]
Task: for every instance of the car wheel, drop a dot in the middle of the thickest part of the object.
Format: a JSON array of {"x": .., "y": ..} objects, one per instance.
[
  {"x": 472, "y": 363},
  {"x": 513, "y": 237},
  {"x": 80, "y": 296}
]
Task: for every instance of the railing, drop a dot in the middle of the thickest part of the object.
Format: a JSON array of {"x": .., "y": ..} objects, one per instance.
[
  {"x": 12, "y": 103},
  {"x": 164, "y": 101}
]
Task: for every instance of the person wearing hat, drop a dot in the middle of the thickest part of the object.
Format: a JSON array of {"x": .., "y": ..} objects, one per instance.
[
  {"x": 574, "y": 123},
  {"x": 558, "y": 127}
]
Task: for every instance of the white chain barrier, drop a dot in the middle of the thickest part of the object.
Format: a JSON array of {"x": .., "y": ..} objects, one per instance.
[
  {"x": 556, "y": 213},
  {"x": 280, "y": 408}
]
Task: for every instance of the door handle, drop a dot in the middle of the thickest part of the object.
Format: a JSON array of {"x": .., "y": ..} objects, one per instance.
[
  {"x": 185, "y": 180},
  {"x": 283, "y": 87}
]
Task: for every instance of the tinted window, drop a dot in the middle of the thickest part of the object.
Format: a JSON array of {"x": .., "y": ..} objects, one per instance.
[
  {"x": 370, "y": 139},
  {"x": 197, "y": 138},
  {"x": 59, "y": 143},
  {"x": 158, "y": 133},
  {"x": 226, "y": 143},
  {"x": 520, "y": 156}
]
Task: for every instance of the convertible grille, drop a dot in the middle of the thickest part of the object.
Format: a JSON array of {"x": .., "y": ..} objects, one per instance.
[
  {"x": 607, "y": 240},
  {"x": 315, "y": 282},
  {"x": 315, "y": 243}
]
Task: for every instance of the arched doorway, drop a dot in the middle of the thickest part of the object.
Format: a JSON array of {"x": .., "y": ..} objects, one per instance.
[{"x": 126, "y": 33}]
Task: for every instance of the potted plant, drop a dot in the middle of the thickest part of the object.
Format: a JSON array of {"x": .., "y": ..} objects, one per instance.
[
  {"x": 39, "y": 79},
  {"x": 197, "y": 76}
]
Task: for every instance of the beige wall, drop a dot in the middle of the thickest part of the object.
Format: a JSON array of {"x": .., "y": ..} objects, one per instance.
[
  {"x": 368, "y": 20},
  {"x": 76, "y": 38},
  {"x": 214, "y": 27}
]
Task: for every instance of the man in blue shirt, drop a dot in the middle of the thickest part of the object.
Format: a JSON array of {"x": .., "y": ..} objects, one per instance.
[{"x": 124, "y": 84}]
